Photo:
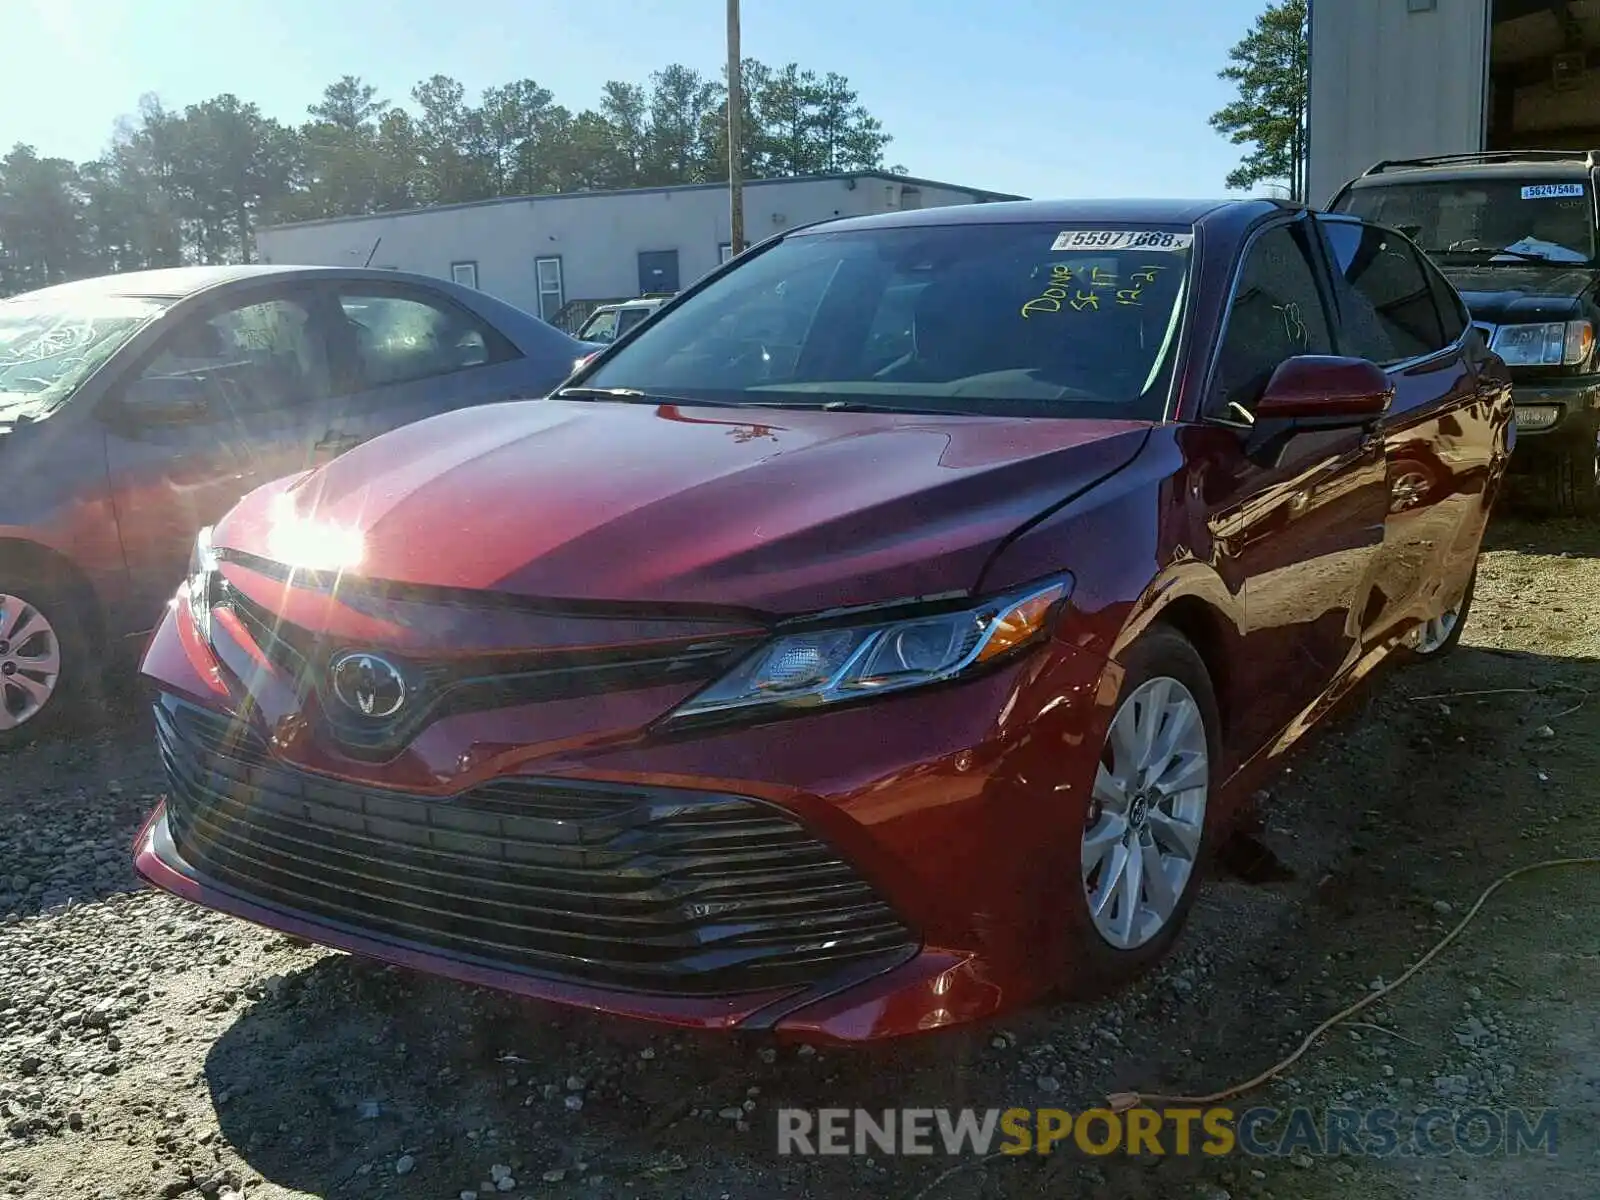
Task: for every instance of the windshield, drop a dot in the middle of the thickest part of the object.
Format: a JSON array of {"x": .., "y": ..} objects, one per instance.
[
  {"x": 49, "y": 347},
  {"x": 1491, "y": 220},
  {"x": 1024, "y": 319},
  {"x": 602, "y": 327}
]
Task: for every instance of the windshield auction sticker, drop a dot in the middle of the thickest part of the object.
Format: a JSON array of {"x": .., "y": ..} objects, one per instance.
[
  {"x": 1122, "y": 239},
  {"x": 1550, "y": 191}
]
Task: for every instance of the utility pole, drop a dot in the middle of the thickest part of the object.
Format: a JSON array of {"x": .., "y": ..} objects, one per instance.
[{"x": 735, "y": 152}]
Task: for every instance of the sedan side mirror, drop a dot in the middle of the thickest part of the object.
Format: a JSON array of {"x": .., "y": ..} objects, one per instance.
[
  {"x": 1317, "y": 389},
  {"x": 166, "y": 400}
]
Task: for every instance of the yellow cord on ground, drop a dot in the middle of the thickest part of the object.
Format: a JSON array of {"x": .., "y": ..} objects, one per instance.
[{"x": 1122, "y": 1101}]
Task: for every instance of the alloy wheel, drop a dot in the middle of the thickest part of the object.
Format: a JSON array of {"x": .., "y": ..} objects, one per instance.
[
  {"x": 1433, "y": 634},
  {"x": 30, "y": 662},
  {"x": 1147, "y": 814}
]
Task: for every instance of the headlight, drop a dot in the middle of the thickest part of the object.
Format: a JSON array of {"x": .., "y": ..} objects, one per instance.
[
  {"x": 204, "y": 583},
  {"x": 1552, "y": 344},
  {"x": 847, "y": 663},
  {"x": 1540, "y": 416}
]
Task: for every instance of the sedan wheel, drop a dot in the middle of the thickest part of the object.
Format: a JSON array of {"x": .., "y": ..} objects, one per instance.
[
  {"x": 1146, "y": 820},
  {"x": 30, "y": 662},
  {"x": 1439, "y": 635}
]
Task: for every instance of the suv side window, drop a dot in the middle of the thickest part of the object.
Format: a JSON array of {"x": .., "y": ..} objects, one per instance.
[
  {"x": 1277, "y": 314},
  {"x": 1387, "y": 301},
  {"x": 394, "y": 336}
]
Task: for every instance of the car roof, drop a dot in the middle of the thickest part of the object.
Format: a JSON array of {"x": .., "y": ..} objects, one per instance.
[
  {"x": 1453, "y": 172},
  {"x": 174, "y": 283},
  {"x": 1142, "y": 211}
]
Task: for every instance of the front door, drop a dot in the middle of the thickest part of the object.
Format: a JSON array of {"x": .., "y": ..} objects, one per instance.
[
  {"x": 658, "y": 272},
  {"x": 230, "y": 398},
  {"x": 401, "y": 353},
  {"x": 1296, "y": 528}
]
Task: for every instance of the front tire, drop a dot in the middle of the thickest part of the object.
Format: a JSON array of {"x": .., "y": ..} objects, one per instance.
[
  {"x": 1146, "y": 829},
  {"x": 1435, "y": 638},
  {"x": 1576, "y": 490},
  {"x": 44, "y": 659}
]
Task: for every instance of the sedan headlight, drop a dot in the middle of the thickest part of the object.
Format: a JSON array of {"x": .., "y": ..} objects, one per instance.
[
  {"x": 828, "y": 665},
  {"x": 1551, "y": 344},
  {"x": 204, "y": 582}
]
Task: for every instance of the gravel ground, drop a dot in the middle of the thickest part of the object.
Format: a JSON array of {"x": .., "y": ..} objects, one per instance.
[{"x": 148, "y": 1048}]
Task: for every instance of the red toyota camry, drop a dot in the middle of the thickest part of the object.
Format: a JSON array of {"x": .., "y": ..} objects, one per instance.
[{"x": 875, "y": 639}]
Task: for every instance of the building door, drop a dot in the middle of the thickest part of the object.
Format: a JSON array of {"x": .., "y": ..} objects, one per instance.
[{"x": 658, "y": 271}]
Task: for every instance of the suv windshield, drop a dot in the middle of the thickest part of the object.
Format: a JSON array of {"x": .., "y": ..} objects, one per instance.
[
  {"x": 49, "y": 347},
  {"x": 1493, "y": 220},
  {"x": 1024, "y": 319}
]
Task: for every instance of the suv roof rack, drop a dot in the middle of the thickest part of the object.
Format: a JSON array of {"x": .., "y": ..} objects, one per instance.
[{"x": 1589, "y": 158}]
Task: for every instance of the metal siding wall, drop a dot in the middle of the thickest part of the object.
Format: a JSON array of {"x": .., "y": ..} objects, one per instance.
[
  {"x": 598, "y": 238},
  {"x": 1387, "y": 83}
]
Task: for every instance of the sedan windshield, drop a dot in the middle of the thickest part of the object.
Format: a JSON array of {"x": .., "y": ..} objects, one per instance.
[
  {"x": 49, "y": 347},
  {"x": 1491, "y": 220},
  {"x": 1016, "y": 319}
]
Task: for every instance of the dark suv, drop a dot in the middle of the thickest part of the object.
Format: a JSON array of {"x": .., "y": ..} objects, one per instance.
[{"x": 1516, "y": 232}]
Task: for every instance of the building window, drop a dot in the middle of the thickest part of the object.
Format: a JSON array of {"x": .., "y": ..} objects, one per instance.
[
  {"x": 724, "y": 251},
  {"x": 552, "y": 296},
  {"x": 465, "y": 273}
]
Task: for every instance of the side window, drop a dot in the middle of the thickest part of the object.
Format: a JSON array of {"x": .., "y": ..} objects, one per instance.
[
  {"x": 1387, "y": 303},
  {"x": 602, "y": 327},
  {"x": 390, "y": 337},
  {"x": 1277, "y": 314},
  {"x": 1453, "y": 315},
  {"x": 627, "y": 318},
  {"x": 255, "y": 358}
]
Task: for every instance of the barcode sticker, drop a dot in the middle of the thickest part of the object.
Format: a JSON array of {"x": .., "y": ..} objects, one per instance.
[
  {"x": 1551, "y": 191},
  {"x": 1122, "y": 239}
]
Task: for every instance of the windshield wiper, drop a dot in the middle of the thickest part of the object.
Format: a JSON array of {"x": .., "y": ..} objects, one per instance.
[
  {"x": 1485, "y": 254},
  {"x": 633, "y": 396}
]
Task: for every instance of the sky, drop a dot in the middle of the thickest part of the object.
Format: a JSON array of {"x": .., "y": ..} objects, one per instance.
[{"x": 1036, "y": 97}]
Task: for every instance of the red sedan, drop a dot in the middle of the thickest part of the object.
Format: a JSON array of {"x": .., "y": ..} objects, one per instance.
[{"x": 877, "y": 640}]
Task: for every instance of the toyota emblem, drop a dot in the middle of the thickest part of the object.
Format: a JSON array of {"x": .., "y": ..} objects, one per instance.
[{"x": 367, "y": 684}]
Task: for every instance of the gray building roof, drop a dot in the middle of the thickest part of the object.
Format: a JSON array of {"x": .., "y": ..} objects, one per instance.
[{"x": 982, "y": 194}]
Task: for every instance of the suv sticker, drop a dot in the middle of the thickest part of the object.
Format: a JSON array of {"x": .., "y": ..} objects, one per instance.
[
  {"x": 1551, "y": 191},
  {"x": 1124, "y": 239}
]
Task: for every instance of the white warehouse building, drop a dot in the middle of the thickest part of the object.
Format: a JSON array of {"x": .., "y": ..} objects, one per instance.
[{"x": 560, "y": 255}]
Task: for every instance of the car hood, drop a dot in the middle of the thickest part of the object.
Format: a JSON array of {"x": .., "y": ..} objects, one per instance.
[
  {"x": 1516, "y": 292},
  {"x": 777, "y": 511}
]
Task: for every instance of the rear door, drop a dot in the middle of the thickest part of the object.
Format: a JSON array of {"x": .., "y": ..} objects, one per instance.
[
  {"x": 231, "y": 397},
  {"x": 403, "y": 352},
  {"x": 1395, "y": 309},
  {"x": 1297, "y": 532}
]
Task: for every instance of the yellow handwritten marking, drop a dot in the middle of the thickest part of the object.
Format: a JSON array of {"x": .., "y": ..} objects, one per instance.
[
  {"x": 1146, "y": 275},
  {"x": 1050, "y": 300},
  {"x": 1099, "y": 278},
  {"x": 1086, "y": 300},
  {"x": 1128, "y": 296}
]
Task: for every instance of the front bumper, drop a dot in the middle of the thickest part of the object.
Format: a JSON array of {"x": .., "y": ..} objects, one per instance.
[
  {"x": 903, "y": 859},
  {"x": 1569, "y": 412}
]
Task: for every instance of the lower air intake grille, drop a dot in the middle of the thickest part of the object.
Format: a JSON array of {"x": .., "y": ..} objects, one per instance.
[{"x": 638, "y": 889}]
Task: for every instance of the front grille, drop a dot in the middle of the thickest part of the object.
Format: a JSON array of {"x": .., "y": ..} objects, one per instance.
[
  {"x": 638, "y": 889},
  {"x": 449, "y": 688}
]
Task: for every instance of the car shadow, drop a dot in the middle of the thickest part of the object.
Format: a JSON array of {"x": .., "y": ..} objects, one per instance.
[{"x": 338, "y": 1070}]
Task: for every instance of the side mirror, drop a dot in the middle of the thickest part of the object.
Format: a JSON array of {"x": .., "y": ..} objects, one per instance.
[
  {"x": 166, "y": 400},
  {"x": 1325, "y": 390}
]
